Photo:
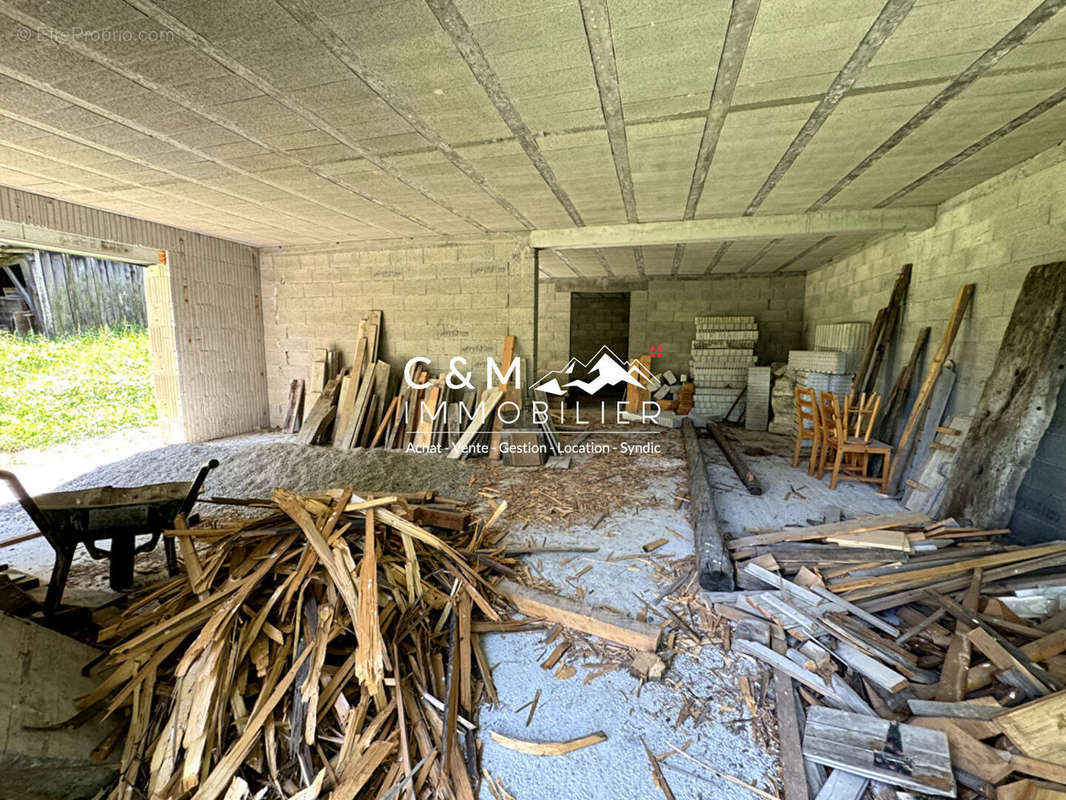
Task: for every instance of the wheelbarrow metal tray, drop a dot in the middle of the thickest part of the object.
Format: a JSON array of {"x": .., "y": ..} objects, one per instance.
[{"x": 109, "y": 509}]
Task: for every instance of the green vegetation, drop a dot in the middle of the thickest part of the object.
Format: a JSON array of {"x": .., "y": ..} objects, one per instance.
[{"x": 62, "y": 390}]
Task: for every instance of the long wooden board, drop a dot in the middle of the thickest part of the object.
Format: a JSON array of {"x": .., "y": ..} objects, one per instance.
[
  {"x": 860, "y": 525},
  {"x": 848, "y": 741},
  {"x": 579, "y": 616}
]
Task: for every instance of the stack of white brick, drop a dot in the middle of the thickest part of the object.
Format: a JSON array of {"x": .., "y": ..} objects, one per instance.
[
  {"x": 845, "y": 337},
  {"x": 722, "y": 352},
  {"x": 821, "y": 370},
  {"x": 757, "y": 415}
]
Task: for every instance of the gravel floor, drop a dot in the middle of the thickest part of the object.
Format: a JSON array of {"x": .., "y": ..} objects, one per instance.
[{"x": 250, "y": 466}]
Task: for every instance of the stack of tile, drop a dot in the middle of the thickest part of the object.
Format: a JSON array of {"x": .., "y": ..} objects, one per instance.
[
  {"x": 821, "y": 370},
  {"x": 757, "y": 415},
  {"x": 844, "y": 337},
  {"x": 722, "y": 351}
]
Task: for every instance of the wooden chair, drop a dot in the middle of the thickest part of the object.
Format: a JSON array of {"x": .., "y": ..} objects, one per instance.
[
  {"x": 807, "y": 412},
  {"x": 848, "y": 436}
]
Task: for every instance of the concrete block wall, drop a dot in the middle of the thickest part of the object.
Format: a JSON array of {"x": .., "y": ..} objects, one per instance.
[
  {"x": 662, "y": 313},
  {"x": 598, "y": 320},
  {"x": 990, "y": 235},
  {"x": 204, "y": 315},
  {"x": 440, "y": 300}
]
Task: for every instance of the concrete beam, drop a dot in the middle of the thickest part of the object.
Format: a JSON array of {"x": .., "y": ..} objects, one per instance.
[
  {"x": 727, "y": 229},
  {"x": 33, "y": 236}
]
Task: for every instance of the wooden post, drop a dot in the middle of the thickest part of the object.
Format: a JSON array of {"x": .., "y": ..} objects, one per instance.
[
  {"x": 921, "y": 402},
  {"x": 712, "y": 559},
  {"x": 735, "y": 459},
  {"x": 1016, "y": 406}
]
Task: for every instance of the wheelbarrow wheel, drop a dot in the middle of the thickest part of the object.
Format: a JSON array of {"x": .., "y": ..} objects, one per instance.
[{"x": 122, "y": 548}]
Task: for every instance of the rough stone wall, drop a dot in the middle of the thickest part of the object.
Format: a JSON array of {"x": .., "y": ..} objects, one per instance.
[
  {"x": 663, "y": 313},
  {"x": 440, "y": 300},
  {"x": 204, "y": 316},
  {"x": 990, "y": 235}
]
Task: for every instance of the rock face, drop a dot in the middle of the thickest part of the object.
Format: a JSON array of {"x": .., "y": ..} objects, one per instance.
[{"x": 40, "y": 675}]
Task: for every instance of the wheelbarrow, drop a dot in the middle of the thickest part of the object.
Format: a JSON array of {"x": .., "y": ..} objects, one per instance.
[{"x": 88, "y": 516}]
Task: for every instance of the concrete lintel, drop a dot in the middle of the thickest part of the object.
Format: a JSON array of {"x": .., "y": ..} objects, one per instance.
[
  {"x": 33, "y": 236},
  {"x": 607, "y": 284},
  {"x": 772, "y": 226}
]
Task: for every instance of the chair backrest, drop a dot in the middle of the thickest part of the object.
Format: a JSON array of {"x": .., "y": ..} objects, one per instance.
[
  {"x": 833, "y": 422},
  {"x": 861, "y": 415},
  {"x": 807, "y": 408}
]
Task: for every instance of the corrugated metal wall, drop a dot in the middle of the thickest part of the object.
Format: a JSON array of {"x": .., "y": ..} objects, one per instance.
[{"x": 204, "y": 316}]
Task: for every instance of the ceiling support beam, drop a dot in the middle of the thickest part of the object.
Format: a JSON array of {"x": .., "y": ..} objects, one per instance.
[
  {"x": 452, "y": 22},
  {"x": 893, "y": 13},
  {"x": 803, "y": 254},
  {"x": 597, "y": 21},
  {"x": 35, "y": 237},
  {"x": 1018, "y": 34},
  {"x": 734, "y": 48},
  {"x": 769, "y": 226},
  {"x": 305, "y": 14},
  {"x": 161, "y": 16}
]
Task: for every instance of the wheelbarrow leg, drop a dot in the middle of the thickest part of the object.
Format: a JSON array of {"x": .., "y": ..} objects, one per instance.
[
  {"x": 122, "y": 549},
  {"x": 60, "y": 571},
  {"x": 171, "y": 549}
]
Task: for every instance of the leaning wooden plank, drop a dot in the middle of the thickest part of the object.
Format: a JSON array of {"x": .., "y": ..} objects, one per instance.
[
  {"x": 548, "y": 748},
  {"x": 1037, "y": 727},
  {"x": 321, "y": 414},
  {"x": 714, "y": 565},
  {"x": 497, "y": 423},
  {"x": 573, "y": 614},
  {"x": 1016, "y": 405},
  {"x": 852, "y": 742},
  {"x": 905, "y": 446},
  {"x": 294, "y": 409},
  {"x": 860, "y": 525},
  {"x": 481, "y": 414}
]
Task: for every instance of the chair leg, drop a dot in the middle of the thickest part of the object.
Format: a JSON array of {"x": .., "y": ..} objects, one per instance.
[
  {"x": 886, "y": 468},
  {"x": 815, "y": 446},
  {"x": 796, "y": 450},
  {"x": 58, "y": 583},
  {"x": 836, "y": 468}
]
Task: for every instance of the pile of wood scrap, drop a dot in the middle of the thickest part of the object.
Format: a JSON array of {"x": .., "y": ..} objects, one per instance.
[
  {"x": 929, "y": 655},
  {"x": 326, "y": 649},
  {"x": 367, "y": 405}
]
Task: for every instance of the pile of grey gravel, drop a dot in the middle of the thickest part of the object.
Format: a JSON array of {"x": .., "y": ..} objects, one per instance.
[{"x": 250, "y": 470}]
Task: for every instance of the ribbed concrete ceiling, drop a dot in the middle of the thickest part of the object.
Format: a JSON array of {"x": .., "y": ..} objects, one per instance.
[{"x": 310, "y": 121}]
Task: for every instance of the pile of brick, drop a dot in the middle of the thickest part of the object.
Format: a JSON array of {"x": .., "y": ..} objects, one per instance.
[
  {"x": 722, "y": 352},
  {"x": 821, "y": 370},
  {"x": 844, "y": 337}
]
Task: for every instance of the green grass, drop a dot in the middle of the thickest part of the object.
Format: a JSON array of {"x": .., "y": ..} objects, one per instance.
[{"x": 62, "y": 390}]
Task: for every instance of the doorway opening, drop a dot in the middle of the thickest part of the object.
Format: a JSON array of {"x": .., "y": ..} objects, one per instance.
[{"x": 598, "y": 321}]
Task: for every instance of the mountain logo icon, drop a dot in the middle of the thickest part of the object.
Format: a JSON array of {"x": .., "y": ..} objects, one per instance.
[{"x": 606, "y": 369}]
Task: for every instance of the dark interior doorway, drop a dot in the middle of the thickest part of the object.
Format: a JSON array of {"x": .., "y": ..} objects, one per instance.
[{"x": 598, "y": 320}]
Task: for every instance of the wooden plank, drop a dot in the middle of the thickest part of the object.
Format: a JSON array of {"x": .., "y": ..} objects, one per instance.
[
  {"x": 1021, "y": 677},
  {"x": 1038, "y": 728},
  {"x": 294, "y": 411},
  {"x": 879, "y": 539},
  {"x": 481, "y": 415},
  {"x": 345, "y": 406},
  {"x": 859, "y": 525},
  {"x": 901, "y": 462},
  {"x": 1037, "y": 650},
  {"x": 848, "y": 741},
  {"x": 321, "y": 415},
  {"x": 967, "y": 709},
  {"x": 497, "y": 423},
  {"x": 968, "y": 753},
  {"x": 579, "y": 616},
  {"x": 793, "y": 774}
]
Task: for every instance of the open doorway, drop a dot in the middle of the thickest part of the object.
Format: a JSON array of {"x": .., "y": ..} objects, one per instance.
[
  {"x": 598, "y": 320},
  {"x": 76, "y": 363}
]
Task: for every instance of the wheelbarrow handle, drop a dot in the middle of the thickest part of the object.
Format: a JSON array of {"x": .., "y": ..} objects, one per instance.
[
  {"x": 194, "y": 490},
  {"x": 27, "y": 502}
]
